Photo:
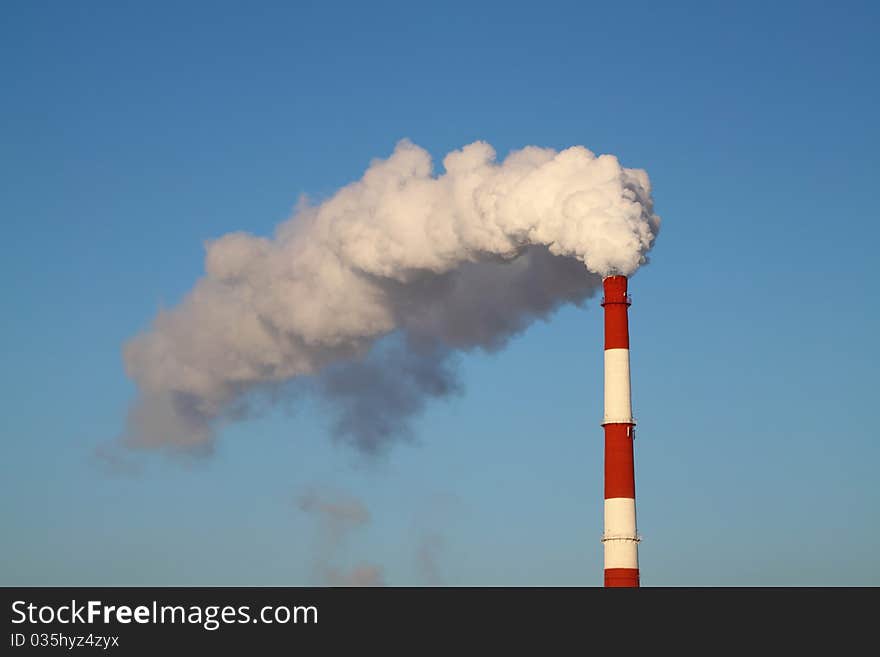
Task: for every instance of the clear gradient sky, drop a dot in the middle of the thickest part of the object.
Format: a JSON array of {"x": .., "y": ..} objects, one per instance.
[{"x": 130, "y": 133}]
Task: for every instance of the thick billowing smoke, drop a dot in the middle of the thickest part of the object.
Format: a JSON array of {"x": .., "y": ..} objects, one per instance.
[
  {"x": 367, "y": 295},
  {"x": 338, "y": 516}
]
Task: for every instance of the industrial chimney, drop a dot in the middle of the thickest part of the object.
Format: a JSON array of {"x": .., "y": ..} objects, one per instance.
[{"x": 621, "y": 539}]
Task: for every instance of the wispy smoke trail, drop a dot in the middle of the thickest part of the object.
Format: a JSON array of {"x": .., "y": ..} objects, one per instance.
[
  {"x": 338, "y": 516},
  {"x": 427, "y": 557},
  {"x": 363, "y": 574},
  {"x": 370, "y": 293}
]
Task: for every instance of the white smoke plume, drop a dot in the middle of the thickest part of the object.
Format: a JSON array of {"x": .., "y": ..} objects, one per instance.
[{"x": 367, "y": 295}]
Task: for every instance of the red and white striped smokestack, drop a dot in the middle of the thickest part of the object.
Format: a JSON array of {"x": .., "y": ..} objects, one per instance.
[{"x": 621, "y": 539}]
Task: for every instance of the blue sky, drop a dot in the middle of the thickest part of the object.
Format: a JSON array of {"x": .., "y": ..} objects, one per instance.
[{"x": 133, "y": 132}]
